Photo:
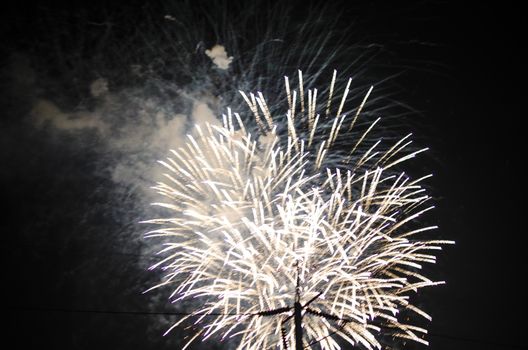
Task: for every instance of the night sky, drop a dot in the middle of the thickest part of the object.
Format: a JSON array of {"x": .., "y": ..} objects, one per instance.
[{"x": 74, "y": 255}]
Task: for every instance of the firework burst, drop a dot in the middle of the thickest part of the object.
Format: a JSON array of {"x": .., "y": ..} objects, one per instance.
[{"x": 285, "y": 235}]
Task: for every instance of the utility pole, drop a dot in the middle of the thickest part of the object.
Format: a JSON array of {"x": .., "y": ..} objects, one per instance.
[
  {"x": 297, "y": 314},
  {"x": 297, "y": 319}
]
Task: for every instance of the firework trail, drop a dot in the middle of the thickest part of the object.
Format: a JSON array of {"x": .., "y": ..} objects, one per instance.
[{"x": 274, "y": 214}]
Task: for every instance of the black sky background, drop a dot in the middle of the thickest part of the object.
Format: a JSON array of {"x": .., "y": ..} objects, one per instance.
[{"x": 470, "y": 97}]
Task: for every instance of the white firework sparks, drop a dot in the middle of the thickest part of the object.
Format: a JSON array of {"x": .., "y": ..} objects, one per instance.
[{"x": 285, "y": 220}]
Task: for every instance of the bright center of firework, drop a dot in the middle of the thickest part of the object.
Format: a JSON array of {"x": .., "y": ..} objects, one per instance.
[{"x": 289, "y": 221}]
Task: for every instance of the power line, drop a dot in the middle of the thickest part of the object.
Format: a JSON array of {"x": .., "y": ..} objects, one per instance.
[
  {"x": 121, "y": 312},
  {"x": 168, "y": 313}
]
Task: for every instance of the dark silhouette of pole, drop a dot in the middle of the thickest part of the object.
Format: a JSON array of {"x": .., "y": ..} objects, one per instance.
[
  {"x": 297, "y": 319},
  {"x": 297, "y": 314}
]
